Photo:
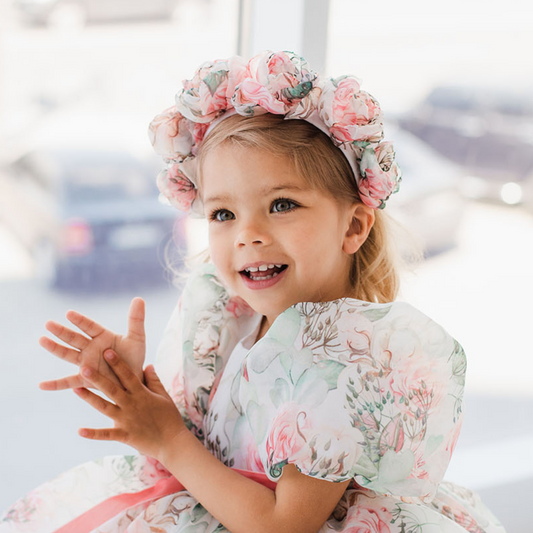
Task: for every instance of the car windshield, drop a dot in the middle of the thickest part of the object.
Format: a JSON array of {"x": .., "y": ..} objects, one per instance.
[
  {"x": 99, "y": 181},
  {"x": 99, "y": 177}
]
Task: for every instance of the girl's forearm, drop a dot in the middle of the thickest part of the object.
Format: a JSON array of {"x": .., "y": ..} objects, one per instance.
[{"x": 239, "y": 503}]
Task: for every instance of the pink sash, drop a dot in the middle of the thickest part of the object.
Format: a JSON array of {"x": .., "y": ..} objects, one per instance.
[{"x": 104, "y": 511}]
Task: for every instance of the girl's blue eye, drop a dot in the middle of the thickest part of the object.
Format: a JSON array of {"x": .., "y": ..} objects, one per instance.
[
  {"x": 283, "y": 204},
  {"x": 221, "y": 215},
  {"x": 280, "y": 205}
]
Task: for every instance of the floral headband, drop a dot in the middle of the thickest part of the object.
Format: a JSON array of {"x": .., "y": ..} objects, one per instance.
[{"x": 283, "y": 84}]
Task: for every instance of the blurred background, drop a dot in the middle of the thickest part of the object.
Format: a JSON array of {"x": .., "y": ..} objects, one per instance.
[{"x": 81, "y": 226}]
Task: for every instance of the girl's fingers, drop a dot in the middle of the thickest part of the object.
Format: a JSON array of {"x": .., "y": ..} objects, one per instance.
[
  {"x": 70, "y": 382},
  {"x": 136, "y": 319},
  {"x": 103, "y": 434},
  {"x": 87, "y": 325},
  {"x": 73, "y": 338},
  {"x": 112, "y": 390},
  {"x": 124, "y": 373},
  {"x": 67, "y": 354},
  {"x": 100, "y": 404},
  {"x": 153, "y": 382}
]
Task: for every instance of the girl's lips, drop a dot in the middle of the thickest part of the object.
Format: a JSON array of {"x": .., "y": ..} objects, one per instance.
[{"x": 262, "y": 283}]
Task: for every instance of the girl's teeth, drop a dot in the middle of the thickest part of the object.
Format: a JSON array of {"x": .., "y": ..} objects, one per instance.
[
  {"x": 262, "y": 268},
  {"x": 260, "y": 278}
]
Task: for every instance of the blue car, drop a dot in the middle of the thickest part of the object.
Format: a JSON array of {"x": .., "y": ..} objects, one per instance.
[{"x": 91, "y": 218}]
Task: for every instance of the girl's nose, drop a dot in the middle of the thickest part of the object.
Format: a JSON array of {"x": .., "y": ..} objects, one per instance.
[{"x": 252, "y": 233}]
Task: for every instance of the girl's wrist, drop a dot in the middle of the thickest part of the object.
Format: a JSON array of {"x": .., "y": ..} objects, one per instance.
[{"x": 172, "y": 445}]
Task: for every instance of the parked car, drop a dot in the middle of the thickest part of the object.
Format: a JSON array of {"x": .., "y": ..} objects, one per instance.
[
  {"x": 488, "y": 132},
  {"x": 79, "y": 12},
  {"x": 429, "y": 202},
  {"x": 90, "y": 217}
]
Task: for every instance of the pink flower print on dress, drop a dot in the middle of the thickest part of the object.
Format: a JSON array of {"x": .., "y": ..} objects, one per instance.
[
  {"x": 456, "y": 512},
  {"x": 454, "y": 437},
  {"x": 285, "y": 439},
  {"x": 170, "y": 134},
  {"x": 177, "y": 187},
  {"x": 214, "y": 388},
  {"x": 354, "y": 337},
  {"x": 367, "y": 520},
  {"x": 350, "y": 114},
  {"x": 24, "y": 510},
  {"x": 392, "y": 436},
  {"x": 418, "y": 384},
  {"x": 239, "y": 307},
  {"x": 419, "y": 470},
  {"x": 152, "y": 471},
  {"x": 380, "y": 175},
  {"x": 176, "y": 389},
  {"x": 251, "y": 455}
]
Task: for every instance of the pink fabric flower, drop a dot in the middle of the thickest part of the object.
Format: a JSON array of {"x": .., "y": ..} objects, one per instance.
[
  {"x": 380, "y": 175},
  {"x": 170, "y": 134},
  {"x": 238, "y": 307},
  {"x": 209, "y": 92},
  {"x": 278, "y": 83},
  {"x": 177, "y": 187},
  {"x": 350, "y": 114}
]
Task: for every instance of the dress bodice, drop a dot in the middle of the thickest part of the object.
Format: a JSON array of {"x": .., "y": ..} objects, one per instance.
[{"x": 227, "y": 432}]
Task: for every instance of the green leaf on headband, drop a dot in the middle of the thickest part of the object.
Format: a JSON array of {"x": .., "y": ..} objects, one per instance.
[
  {"x": 300, "y": 91},
  {"x": 214, "y": 79}
]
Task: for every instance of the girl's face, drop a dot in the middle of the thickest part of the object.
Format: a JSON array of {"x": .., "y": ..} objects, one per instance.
[{"x": 263, "y": 216}]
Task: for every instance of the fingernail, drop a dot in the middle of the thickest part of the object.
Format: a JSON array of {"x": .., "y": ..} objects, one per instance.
[
  {"x": 83, "y": 432},
  {"x": 109, "y": 355},
  {"x": 86, "y": 371}
]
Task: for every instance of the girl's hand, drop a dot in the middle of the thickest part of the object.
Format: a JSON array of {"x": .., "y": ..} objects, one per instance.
[
  {"x": 89, "y": 350},
  {"x": 145, "y": 417}
]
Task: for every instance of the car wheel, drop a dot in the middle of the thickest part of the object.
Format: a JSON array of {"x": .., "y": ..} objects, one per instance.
[{"x": 67, "y": 16}]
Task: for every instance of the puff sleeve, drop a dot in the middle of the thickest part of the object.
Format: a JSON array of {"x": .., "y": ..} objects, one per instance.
[{"x": 352, "y": 389}]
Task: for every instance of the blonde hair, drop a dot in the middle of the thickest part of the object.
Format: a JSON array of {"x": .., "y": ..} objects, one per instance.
[{"x": 374, "y": 269}]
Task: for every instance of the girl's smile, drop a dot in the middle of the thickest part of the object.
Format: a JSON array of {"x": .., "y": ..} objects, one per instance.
[
  {"x": 263, "y": 276},
  {"x": 274, "y": 240}
]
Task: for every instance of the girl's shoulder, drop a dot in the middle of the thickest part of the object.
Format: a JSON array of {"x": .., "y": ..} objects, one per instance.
[
  {"x": 352, "y": 389},
  {"x": 349, "y": 322}
]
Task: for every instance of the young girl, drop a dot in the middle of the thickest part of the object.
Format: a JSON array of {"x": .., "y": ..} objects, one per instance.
[{"x": 301, "y": 397}]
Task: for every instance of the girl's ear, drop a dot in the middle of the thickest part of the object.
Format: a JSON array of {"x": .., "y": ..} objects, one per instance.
[{"x": 361, "y": 219}]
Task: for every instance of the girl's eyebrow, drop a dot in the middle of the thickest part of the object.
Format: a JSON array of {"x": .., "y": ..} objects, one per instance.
[{"x": 262, "y": 192}]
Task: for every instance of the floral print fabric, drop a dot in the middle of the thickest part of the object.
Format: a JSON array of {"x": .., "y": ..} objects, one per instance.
[{"x": 345, "y": 390}]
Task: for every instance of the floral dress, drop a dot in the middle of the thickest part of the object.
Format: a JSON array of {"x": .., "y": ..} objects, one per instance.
[{"x": 344, "y": 390}]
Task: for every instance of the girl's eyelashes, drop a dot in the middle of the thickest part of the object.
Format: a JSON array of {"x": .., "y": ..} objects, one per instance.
[
  {"x": 279, "y": 205},
  {"x": 223, "y": 212},
  {"x": 285, "y": 202}
]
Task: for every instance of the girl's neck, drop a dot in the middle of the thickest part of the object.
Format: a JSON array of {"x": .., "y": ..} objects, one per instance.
[{"x": 263, "y": 328}]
